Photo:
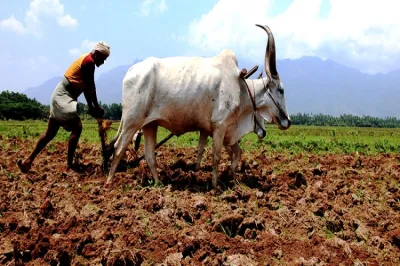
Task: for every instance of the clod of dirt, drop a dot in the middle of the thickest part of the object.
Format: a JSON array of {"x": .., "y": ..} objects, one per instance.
[
  {"x": 318, "y": 172},
  {"x": 42, "y": 246},
  {"x": 6, "y": 249},
  {"x": 4, "y": 259},
  {"x": 242, "y": 194},
  {"x": 250, "y": 223},
  {"x": 173, "y": 259},
  {"x": 278, "y": 254},
  {"x": 13, "y": 224},
  {"x": 4, "y": 206},
  {"x": 25, "y": 227},
  {"x": 90, "y": 251},
  {"x": 356, "y": 199},
  {"x": 154, "y": 203},
  {"x": 358, "y": 263},
  {"x": 318, "y": 185},
  {"x": 200, "y": 204},
  {"x": 68, "y": 224},
  {"x": 179, "y": 164},
  {"x": 187, "y": 217},
  {"x": 169, "y": 239},
  {"x": 84, "y": 241},
  {"x": 239, "y": 259},
  {"x": 166, "y": 215},
  {"x": 190, "y": 248},
  {"x": 47, "y": 209},
  {"x": 334, "y": 225},
  {"x": 90, "y": 211},
  {"x": 64, "y": 258},
  {"x": 362, "y": 232},
  {"x": 250, "y": 234},
  {"x": 202, "y": 255},
  {"x": 125, "y": 257},
  {"x": 313, "y": 261},
  {"x": 218, "y": 260},
  {"x": 299, "y": 179},
  {"x": 342, "y": 244},
  {"x": 229, "y": 224},
  {"x": 378, "y": 242},
  {"x": 320, "y": 210},
  {"x": 232, "y": 198},
  {"x": 395, "y": 237}
]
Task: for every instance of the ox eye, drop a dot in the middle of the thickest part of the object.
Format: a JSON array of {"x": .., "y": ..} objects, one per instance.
[{"x": 280, "y": 91}]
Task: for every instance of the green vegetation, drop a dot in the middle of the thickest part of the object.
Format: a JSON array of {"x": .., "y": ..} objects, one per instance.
[
  {"x": 317, "y": 139},
  {"x": 309, "y": 133},
  {"x": 18, "y": 106},
  {"x": 344, "y": 120}
]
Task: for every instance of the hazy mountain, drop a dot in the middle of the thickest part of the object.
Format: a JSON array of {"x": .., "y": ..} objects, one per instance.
[
  {"x": 311, "y": 86},
  {"x": 42, "y": 93}
]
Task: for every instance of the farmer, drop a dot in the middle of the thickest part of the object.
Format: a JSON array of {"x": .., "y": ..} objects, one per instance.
[{"x": 78, "y": 78}]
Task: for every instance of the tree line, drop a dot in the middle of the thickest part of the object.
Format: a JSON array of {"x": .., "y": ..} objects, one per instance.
[
  {"x": 344, "y": 120},
  {"x": 17, "y": 106}
]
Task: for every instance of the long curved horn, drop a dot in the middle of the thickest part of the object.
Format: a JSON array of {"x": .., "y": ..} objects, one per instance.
[{"x": 270, "y": 54}]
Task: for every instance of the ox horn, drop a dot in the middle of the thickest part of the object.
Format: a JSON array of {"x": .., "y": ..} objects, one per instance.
[{"x": 270, "y": 55}]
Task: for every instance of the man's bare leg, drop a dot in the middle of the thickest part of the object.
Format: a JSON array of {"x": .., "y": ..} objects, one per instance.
[
  {"x": 76, "y": 129},
  {"x": 51, "y": 131}
]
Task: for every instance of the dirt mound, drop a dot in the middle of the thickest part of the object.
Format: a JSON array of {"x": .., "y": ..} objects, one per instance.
[{"x": 296, "y": 209}]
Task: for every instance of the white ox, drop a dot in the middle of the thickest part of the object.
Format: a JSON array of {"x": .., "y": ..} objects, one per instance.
[
  {"x": 259, "y": 129},
  {"x": 186, "y": 94}
]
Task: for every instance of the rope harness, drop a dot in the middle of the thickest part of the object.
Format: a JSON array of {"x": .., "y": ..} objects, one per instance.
[{"x": 256, "y": 123}]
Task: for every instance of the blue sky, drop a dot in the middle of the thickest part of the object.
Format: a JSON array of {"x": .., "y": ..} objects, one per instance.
[{"x": 40, "y": 38}]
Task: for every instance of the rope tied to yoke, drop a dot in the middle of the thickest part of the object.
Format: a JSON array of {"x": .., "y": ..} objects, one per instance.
[{"x": 244, "y": 75}]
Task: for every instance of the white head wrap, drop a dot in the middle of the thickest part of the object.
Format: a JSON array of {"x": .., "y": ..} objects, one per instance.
[{"x": 103, "y": 48}]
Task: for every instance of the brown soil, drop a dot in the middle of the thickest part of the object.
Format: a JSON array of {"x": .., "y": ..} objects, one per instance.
[{"x": 279, "y": 209}]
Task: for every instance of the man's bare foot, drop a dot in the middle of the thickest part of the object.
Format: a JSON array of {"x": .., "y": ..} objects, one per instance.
[{"x": 24, "y": 167}]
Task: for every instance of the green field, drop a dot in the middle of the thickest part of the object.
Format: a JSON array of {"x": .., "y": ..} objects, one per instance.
[{"x": 318, "y": 139}]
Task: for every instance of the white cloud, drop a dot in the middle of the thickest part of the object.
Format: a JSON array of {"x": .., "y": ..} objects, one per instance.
[
  {"x": 37, "y": 10},
  {"x": 67, "y": 21},
  {"x": 152, "y": 6},
  {"x": 86, "y": 46},
  {"x": 13, "y": 25},
  {"x": 360, "y": 33}
]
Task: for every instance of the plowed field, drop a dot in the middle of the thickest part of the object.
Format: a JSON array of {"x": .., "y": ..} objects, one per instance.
[{"x": 279, "y": 209}]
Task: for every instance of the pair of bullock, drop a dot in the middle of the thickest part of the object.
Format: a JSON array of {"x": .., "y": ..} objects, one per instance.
[{"x": 186, "y": 94}]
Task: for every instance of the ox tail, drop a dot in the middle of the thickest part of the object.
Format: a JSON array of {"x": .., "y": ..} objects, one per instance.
[{"x": 108, "y": 150}]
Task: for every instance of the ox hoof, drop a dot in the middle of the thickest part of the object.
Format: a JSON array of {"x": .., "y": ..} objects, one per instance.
[{"x": 24, "y": 168}]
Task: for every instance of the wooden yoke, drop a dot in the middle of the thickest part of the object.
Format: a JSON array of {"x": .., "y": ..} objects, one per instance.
[{"x": 245, "y": 75}]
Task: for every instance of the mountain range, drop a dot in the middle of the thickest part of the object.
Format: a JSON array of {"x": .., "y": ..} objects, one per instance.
[{"x": 312, "y": 86}]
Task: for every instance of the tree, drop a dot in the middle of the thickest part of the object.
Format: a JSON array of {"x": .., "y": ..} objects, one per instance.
[{"x": 17, "y": 106}]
